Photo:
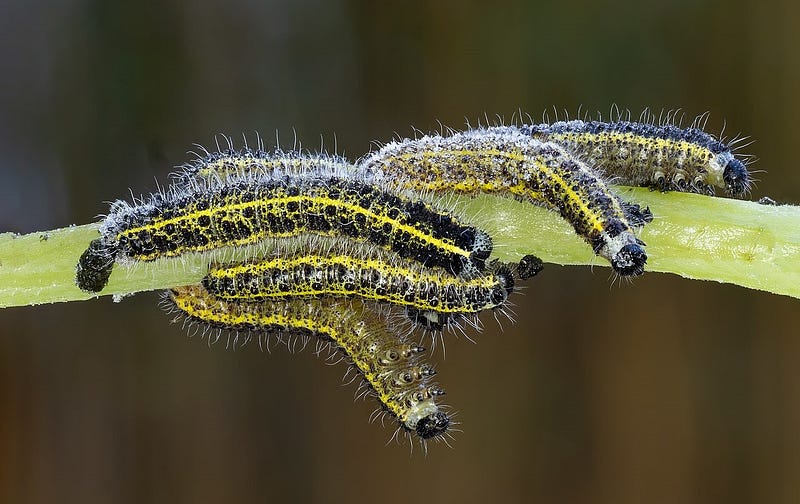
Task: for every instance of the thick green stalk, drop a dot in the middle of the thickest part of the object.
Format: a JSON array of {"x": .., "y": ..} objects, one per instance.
[{"x": 694, "y": 236}]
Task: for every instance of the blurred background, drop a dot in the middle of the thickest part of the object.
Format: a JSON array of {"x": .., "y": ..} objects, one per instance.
[{"x": 664, "y": 390}]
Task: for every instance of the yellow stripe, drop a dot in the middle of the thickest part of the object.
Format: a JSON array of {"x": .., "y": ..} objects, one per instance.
[
  {"x": 468, "y": 292},
  {"x": 192, "y": 218},
  {"x": 617, "y": 152},
  {"x": 614, "y": 140},
  {"x": 240, "y": 163},
  {"x": 364, "y": 338},
  {"x": 580, "y": 201}
]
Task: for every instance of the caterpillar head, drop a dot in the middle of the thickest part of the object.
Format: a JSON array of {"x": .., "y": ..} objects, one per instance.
[
  {"x": 433, "y": 425},
  {"x": 630, "y": 260},
  {"x": 737, "y": 178},
  {"x": 95, "y": 266}
]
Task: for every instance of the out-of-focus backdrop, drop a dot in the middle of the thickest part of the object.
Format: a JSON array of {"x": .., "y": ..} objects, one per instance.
[{"x": 658, "y": 390}]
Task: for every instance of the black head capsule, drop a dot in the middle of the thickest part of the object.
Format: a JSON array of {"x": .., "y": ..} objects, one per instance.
[
  {"x": 433, "y": 425},
  {"x": 737, "y": 178},
  {"x": 95, "y": 266},
  {"x": 529, "y": 266},
  {"x": 630, "y": 260}
]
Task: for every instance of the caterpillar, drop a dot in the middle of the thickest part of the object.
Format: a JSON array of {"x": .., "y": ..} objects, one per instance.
[
  {"x": 230, "y": 162},
  {"x": 430, "y": 297},
  {"x": 392, "y": 368},
  {"x": 246, "y": 208},
  {"x": 665, "y": 157},
  {"x": 507, "y": 160}
]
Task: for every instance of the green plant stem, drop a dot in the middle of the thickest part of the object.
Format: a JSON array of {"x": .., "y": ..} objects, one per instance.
[{"x": 700, "y": 237}]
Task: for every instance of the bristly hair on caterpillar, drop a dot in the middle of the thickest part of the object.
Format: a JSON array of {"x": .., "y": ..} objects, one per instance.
[
  {"x": 391, "y": 367},
  {"x": 656, "y": 153},
  {"x": 258, "y": 162},
  {"x": 246, "y": 208},
  {"x": 505, "y": 160},
  {"x": 319, "y": 267}
]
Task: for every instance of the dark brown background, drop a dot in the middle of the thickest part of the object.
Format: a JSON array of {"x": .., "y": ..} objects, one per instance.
[{"x": 666, "y": 390}]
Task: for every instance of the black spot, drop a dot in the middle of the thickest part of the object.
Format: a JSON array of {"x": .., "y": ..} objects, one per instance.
[
  {"x": 637, "y": 216},
  {"x": 630, "y": 260},
  {"x": 529, "y": 266},
  {"x": 95, "y": 266},
  {"x": 433, "y": 425},
  {"x": 737, "y": 178}
]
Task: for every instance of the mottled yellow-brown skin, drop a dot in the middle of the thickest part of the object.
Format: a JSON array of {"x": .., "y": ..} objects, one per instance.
[
  {"x": 667, "y": 157},
  {"x": 221, "y": 165},
  {"x": 645, "y": 161},
  {"x": 391, "y": 367},
  {"x": 503, "y": 160}
]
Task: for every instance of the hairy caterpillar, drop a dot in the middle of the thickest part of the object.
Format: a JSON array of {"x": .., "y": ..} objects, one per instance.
[
  {"x": 665, "y": 157},
  {"x": 392, "y": 368},
  {"x": 225, "y": 163},
  {"x": 430, "y": 296},
  {"x": 507, "y": 160},
  {"x": 246, "y": 208}
]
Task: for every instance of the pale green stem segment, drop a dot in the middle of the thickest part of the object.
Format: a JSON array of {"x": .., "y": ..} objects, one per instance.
[{"x": 730, "y": 241}]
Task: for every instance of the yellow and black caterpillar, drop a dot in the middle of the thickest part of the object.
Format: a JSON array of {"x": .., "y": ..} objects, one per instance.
[{"x": 391, "y": 367}]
